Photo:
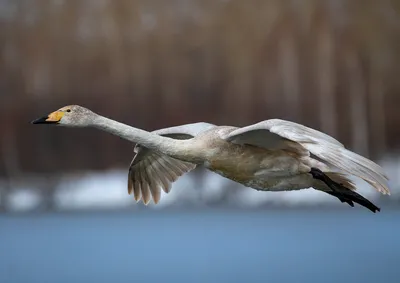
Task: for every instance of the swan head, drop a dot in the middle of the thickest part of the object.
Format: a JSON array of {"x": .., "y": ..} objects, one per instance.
[{"x": 69, "y": 116}]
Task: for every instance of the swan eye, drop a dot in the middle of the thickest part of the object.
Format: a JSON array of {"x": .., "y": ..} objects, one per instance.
[{"x": 68, "y": 110}]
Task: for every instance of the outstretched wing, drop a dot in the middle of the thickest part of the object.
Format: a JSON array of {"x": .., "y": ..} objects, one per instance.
[
  {"x": 150, "y": 170},
  {"x": 281, "y": 134}
]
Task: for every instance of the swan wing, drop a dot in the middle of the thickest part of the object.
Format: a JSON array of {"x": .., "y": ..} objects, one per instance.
[
  {"x": 280, "y": 134},
  {"x": 151, "y": 171}
]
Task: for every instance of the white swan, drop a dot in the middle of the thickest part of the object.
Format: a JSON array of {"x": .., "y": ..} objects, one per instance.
[{"x": 273, "y": 155}]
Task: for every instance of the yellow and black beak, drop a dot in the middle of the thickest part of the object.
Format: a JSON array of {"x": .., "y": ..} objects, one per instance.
[{"x": 52, "y": 118}]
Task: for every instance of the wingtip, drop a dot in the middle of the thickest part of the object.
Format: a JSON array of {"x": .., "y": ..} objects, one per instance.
[
  {"x": 156, "y": 197},
  {"x": 130, "y": 183},
  {"x": 385, "y": 191},
  {"x": 137, "y": 198}
]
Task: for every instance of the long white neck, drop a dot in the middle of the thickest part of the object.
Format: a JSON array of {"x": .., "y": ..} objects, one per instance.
[{"x": 180, "y": 149}]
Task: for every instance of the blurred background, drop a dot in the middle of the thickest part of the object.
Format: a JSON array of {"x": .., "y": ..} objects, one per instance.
[{"x": 66, "y": 216}]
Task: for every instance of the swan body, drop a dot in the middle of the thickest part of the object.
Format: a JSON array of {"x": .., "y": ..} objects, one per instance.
[{"x": 272, "y": 155}]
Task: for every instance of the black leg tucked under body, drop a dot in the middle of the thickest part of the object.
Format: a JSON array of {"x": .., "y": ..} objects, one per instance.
[
  {"x": 341, "y": 198},
  {"x": 342, "y": 193}
]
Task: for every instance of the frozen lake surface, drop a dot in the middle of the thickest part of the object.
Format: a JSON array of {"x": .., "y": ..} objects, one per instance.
[{"x": 344, "y": 245}]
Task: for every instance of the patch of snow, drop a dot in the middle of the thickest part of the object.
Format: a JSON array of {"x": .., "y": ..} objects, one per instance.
[
  {"x": 22, "y": 199},
  {"x": 93, "y": 190}
]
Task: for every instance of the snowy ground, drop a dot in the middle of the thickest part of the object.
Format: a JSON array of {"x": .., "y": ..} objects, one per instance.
[{"x": 105, "y": 190}]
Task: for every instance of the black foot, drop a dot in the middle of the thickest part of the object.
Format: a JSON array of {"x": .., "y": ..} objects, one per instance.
[
  {"x": 342, "y": 198},
  {"x": 342, "y": 193}
]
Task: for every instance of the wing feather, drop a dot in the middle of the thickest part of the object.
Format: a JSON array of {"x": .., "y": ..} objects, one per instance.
[
  {"x": 353, "y": 164},
  {"x": 146, "y": 195},
  {"x": 153, "y": 181},
  {"x": 137, "y": 189},
  {"x": 163, "y": 183}
]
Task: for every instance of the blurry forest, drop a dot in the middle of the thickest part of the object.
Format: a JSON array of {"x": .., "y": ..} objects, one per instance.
[{"x": 329, "y": 64}]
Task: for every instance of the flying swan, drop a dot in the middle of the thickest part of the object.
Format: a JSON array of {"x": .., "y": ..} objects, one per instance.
[{"x": 272, "y": 155}]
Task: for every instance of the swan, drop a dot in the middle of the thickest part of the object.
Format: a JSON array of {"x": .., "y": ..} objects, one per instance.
[{"x": 272, "y": 155}]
